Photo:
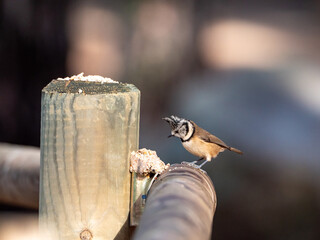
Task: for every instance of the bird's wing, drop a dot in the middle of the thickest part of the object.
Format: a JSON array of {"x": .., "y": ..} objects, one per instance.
[
  {"x": 213, "y": 139},
  {"x": 208, "y": 137}
]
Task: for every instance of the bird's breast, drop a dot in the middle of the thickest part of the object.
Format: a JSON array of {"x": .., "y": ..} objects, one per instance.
[
  {"x": 195, "y": 146},
  {"x": 200, "y": 148}
]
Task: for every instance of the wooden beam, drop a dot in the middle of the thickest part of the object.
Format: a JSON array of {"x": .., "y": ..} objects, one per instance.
[
  {"x": 88, "y": 130},
  {"x": 19, "y": 175},
  {"x": 180, "y": 205}
]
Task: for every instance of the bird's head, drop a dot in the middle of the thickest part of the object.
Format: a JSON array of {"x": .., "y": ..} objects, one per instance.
[{"x": 180, "y": 127}]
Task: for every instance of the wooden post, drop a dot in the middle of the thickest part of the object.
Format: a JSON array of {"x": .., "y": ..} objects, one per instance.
[
  {"x": 88, "y": 130},
  {"x": 180, "y": 206},
  {"x": 19, "y": 175}
]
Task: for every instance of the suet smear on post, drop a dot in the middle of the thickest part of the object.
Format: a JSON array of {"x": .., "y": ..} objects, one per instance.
[{"x": 89, "y": 78}]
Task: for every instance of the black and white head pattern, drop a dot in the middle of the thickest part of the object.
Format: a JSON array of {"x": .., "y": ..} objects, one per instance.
[{"x": 180, "y": 127}]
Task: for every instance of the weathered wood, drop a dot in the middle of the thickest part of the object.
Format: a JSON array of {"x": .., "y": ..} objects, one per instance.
[
  {"x": 180, "y": 205},
  {"x": 19, "y": 175},
  {"x": 88, "y": 131}
]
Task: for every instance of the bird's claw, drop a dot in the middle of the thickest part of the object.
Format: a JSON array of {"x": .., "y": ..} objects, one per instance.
[{"x": 192, "y": 164}]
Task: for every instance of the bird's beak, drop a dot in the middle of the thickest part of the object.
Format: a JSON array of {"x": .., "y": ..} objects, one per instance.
[{"x": 170, "y": 136}]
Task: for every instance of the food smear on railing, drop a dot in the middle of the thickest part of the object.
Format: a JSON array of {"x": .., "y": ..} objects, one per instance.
[{"x": 145, "y": 161}]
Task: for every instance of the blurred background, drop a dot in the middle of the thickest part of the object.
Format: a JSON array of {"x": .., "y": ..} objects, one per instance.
[{"x": 247, "y": 71}]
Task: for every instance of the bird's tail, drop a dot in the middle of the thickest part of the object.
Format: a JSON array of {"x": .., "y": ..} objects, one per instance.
[{"x": 235, "y": 150}]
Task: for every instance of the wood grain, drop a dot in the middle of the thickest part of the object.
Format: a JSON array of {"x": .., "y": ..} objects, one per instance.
[{"x": 86, "y": 140}]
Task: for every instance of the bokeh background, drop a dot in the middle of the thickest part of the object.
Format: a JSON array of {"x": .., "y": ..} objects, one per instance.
[{"x": 247, "y": 71}]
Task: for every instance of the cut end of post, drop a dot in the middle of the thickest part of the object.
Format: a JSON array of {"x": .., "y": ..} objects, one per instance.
[
  {"x": 90, "y": 85},
  {"x": 86, "y": 235}
]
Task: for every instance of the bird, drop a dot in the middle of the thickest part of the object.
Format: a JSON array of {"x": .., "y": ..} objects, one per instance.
[{"x": 196, "y": 140}]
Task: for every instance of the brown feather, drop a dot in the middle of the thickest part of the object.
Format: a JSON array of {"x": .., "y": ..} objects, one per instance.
[{"x": 208, "y": 137}]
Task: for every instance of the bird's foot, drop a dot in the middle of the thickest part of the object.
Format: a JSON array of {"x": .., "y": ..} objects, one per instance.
[
  {"x": 194, "y": 165},
  {"x": 191, "y": 164}
]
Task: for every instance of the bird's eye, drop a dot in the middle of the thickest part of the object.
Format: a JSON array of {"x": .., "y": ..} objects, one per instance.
[{"x": 182, "y": 130}]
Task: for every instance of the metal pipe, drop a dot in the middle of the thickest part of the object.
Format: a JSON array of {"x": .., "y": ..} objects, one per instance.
[{"x": 180, "y": 205}]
